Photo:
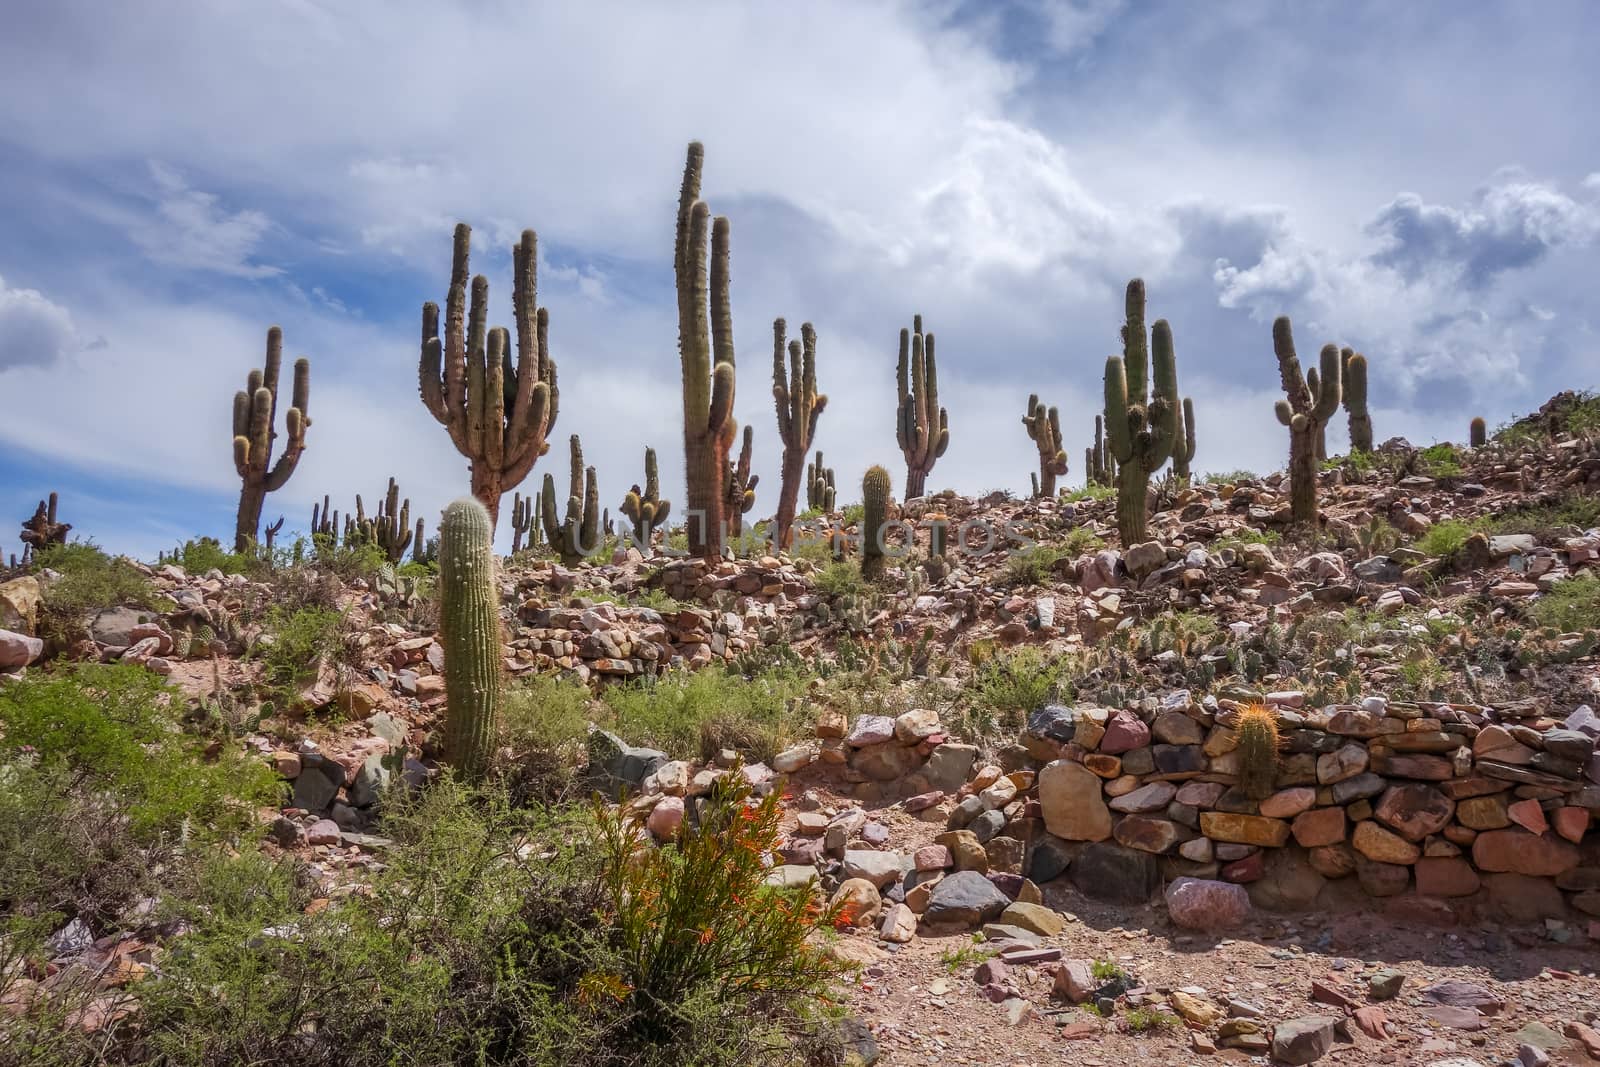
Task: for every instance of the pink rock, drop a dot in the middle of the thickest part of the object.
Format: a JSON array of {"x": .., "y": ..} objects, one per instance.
[
  {"x": 18, "y": 650},
  {"x": 1203, "y": 904},
  {"x": 1125, "y": 732},
  {"x": 323, "y": 832},
  {"x": 1571, "y": 823},
  {"x": 931, "y": 858},
  {"x": 1244, "y": 871},
  {"x": 1287, "y": 803},
  {"x": 666, "y": 817},
  {"x": 1528, "y": 815},
  {"x": 139, "y": 631}
]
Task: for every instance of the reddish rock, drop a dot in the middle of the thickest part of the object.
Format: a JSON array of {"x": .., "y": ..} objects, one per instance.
[
  {"x": 1372, "y": 1021},
  {"x": 1528, "y": 815},
  {"x": 1571, "y": 823},
  {"x": 1446, "y": 876},
  {"x": 1414, "y": 810},
  {"x": 1246, "y": 870},
  {"x": 1520, "y": 852},
  {"x": 1125, "y": 732},
  {"x": 1376, "y": 843},
  {"x": 1333, "y": 861},
  {"x": 1288, "y": 803},
  {"x": 1203, "y": 904},
  {"x": 666, "y": 817},
  {"x": 1319, "y": 826}
]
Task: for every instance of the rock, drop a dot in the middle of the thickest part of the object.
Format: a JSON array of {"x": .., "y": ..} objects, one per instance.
[
  {"x": 882, "y": 869},
  {"x": 1075, "y": 981},
  {"x": 966, "y": 898},
  {"x": 1178, "y": 728},
  {"x": 1372, "y": 1021},
  {"x": 931, "y": 858},
  {"x": 1484, "y": 813},
  {"x": 858, "y": 901},
  {"x": 1147, "y": 798},
  {"x": 1202, "y": 904},
  {"x": 1288, "y": 803},
  {"x": 1051, "y": 856},
  {"x": 1382, "y": 879},
  {"x": 1376, "y": 843},
  {"x": 949, "y": 766},
  {"x": 1524, "y": 898},
  {"x": 1288, "y": 882},
  {"x": 885, "y": 762},
  {"x": 918, "y": 724},
  {"x": 966, "y": 851},
  {"x": 1319, "y": 826},
  {"x": 1385, "y": 984},
  {"x": 1333, "y": 861},
  {"x": 1302, "y": 1041},
  {"x": 1414, "y": 810},
  {"x": 114, "y": 626},
  {"x": 1195, "y": 1012},
  {"x": 665, "y": 818},
  {"x": 1446, "y": 876},
  {"x": 616, "y": 768},
  {"x": 323, "y": 832},
  {"x": 1073, "y": 807},
  {"x": 1147, "y": 833},
  {"x": 1455, "y": 993},
  {"x": 18, "y": 650},
  {"x": 1035, "y": 918},
  {"x": 1125, "y": 732},
  {"x": 1144, "y": 559},
  {"x": 793, "y": 759},
  {"x": 898, "y": 925},
  {"x": 19, "y": 605},
  {"x": 1244, "y": 829},
  {"x": 1520, "y": 852},
  {"x": 1115, "y": 874}
]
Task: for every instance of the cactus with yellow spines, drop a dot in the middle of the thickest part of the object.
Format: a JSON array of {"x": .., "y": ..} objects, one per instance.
[
  {"x": 820, "y": 495},
  {"x": 498, "y": 416},
  {"x": 922, "y": 427},
  {"x": 875, "y": 508},
  {"x": 1259, "y": 744},
  {"x": 740, "y": 487},
  {"x": 1353, "y": 394},
  {"x": 1141, "y": 393},
  {"x": 1478, "y": 432},
  {"x": 1044, "y": 430},
  {"x": 644, "y": 507},
  {"x": 469, "y": 632},
  {"x": 705, "y": 350},
  {"x": 1309, "y": 402},
  {"x": 578, "y": 535},
  {"x": 255, "y": 413},
  {"x": 795, "y": 396}
]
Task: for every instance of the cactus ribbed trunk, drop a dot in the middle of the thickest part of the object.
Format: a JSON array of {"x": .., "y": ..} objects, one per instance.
[
  {"x": 1141, "y": 411},
  {"x": 922, "y": 427},
  {"x": 1353, "y": 393},
  {"x": 1478, "y": 432},
  {"x": 469, "y": 629},
  {"x": 798, "y": 404},
  {"x": 1133, "y": 491},
  {"x": 1303, "y": 465},
  {"x": 255, "y": 411},
  {"x": 1310, "y": 400},
  {"x": 875, "y": 512}
]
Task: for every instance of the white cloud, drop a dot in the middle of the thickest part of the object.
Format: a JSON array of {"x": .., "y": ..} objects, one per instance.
[
  {"x": 34, "y": 332},
  {"x": 193, "y": 232}
]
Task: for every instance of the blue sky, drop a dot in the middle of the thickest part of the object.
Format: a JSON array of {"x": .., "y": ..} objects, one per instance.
[{"x": 1416, "y": 180}]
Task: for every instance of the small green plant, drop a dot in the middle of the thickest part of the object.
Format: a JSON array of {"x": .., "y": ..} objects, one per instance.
[
  {"x": 699, "y": 713},
  {"x": 1572, "y": 605},
  {"x": 1440, "y": 461},
  {"x": 1145, "y": 1020},
  {"x": 89, "y": 581},
  {"x": 1233, "y": 477},
  {"x": 841, "y": 579},
  {"x": 349, "y": 562},
  {"x": 1093, "y": 492},
  {"x": 955, "y": 959},
  {"x": 1107, "y": 971},
  {"x": 1009, "y": 685},
  {"x": 1580, "y": 510},
  {"x": 1035, "y": 565},
  {"x": 853, "y": 514},
  {"x": 1444, "y": 539},
  {"x": 298, "y": 644}
]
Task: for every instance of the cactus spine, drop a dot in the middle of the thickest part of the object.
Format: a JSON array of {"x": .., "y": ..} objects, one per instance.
[
  {"x": 739, "y": 487},
  {"x": 579, "y": 534},
  {"x": 1140, "y": 427},
  {"x": 255, "y": 412},
  {"x": 795, "y": 396},
  {"x": 1310, "y": 401},
  {"x": 820, "y": 494},
  {"x": 1478, "y": 435},
  {"x": 645, "y": 508},
  {"x": 469, "y": 630},
  {"x": 1102, "y": 465},
  {"x": 1183, "y": 440},
  {"x": 875, "y": 505},
  {"x": 922, "y": 427},
  {"x": 705, "y": 350},
  {"x": 1044, "y": 429},
  {"x": 1258, "y": 751},
  {"x": 1353, "y": 392},
  {"x": 498, "y": 417}
]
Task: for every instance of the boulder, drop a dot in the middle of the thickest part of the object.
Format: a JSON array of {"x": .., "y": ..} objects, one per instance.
[
  {"x": 966, "y": 898},
  {"x": 1203, "y": 904},
  {"x": 1519, "y": 852},
  {"x": 1073, "y": 807},
  {"x": 1302, "y": 1041},
  {"x": 18, "y": 650},
  {"x": 1115, "y": 874},
  {"x": 1244, "y": 829},
  {"x": 1414, "y": 810}
]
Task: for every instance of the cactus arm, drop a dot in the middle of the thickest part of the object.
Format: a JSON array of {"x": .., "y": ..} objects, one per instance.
[
  {"x": 1135, "y": 353},
  {"x": 808, "y": 362},
  {"x": 785, "y": 405},
  {"x": 455, "y": 343},
  {"x": 1118, "y": 440},
  {"x": 1294, "y": 384},
  {"x": 429, "y": 365},
  {"x": 902, "y": 393},
  {"x": 493, "y": 400},
  {"x": 547, "y": 511},
  {"x": 1327, "y": 389}
]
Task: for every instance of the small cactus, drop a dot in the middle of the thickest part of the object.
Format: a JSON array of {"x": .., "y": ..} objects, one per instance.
[
  {"x": 938, "y": 534},
  {"x": 255, "y": 410},
  {"x": 644, "y": 507},
  {"x": 875, "y": 503},
  {"x": 390, "y": 529},
  {"x": 739, "y": 485},
  {"x": 820, "y": 494},
  {"x": 922, "y": 427},
  {"x": 469, "y": 631},
  {"x": 1044, "y": 430},
  {"x": 579, "y": 534},
  {"x": 1353, "y": 393},
  {"x": 1478, "y": 434},
  {"x": 1258, "y": 751},
  {"x": 1309, "y": 403}
]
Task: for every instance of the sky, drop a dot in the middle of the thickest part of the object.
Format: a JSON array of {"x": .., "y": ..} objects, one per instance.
[{"x": 1419, "y": 181}]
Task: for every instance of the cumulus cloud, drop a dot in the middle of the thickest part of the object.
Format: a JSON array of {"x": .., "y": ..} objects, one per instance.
[{"x": 34, "y": 332}]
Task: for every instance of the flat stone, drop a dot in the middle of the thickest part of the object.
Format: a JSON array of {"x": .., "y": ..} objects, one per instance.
[{"x": 1244, "y": 829}]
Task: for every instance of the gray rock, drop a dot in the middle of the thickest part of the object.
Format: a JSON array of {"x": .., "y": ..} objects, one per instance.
[
  {"x": 1302, "y": 1041},
  {"x": 949, "y": 767},
  {"x": 318, "y": 783},
  {"x": 616, "y": 768},
  {"x": 113, "y": 626},
  {"x": 1112, "y": 873},
  {"x": 967, "y": 898}
]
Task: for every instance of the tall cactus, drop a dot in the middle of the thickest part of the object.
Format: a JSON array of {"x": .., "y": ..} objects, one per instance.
[
  {"x": 498, "y": 417},
  {"x": 1102, "y": 465},
  {"x": 794, "y": 394},
  {"x": 739, "y": 487},
  {"x": 420, "y": 552},
  {"x": 820, "y": 495},
  {"x": 1310, "y": 401},
  {"x": 705, "y": 350},
  {"x": 578, "y": 534},
  {"x": 43, "y": 529},
  {"x": 255, "y": 413},
  {"x": 922, "y": 427},
  {"x": 390, "y": 530},
  {"x": 1044, "y": 429},
  {"x": 1183, "y": 441},
  {"x": 469, "y": 631},
  {"x": 1478, "y": 435},
  {"x": 875, "y": 508},
  {"x": 1353, "y": 393},
  {"x": 645, "y": 508},
  {"x": 524, "y": 519},
  {"x": 1140, "y": 427}
]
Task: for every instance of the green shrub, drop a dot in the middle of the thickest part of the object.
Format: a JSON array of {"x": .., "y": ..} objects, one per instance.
[
  {"x": 1581, "y": 510},
  {"x": 1444, "y": 539},
  {"x": 841, "y": 578},
  {"x": 544, "y": 721},
  {"x": 89, "y": 581},
  {"x": 296, "y": 645},
  {"x": 1570, "y": 605},
  {"x": 1091, "y": 493},
  {"x": 1230, "y": 477},
  {"x": 1144, "y": 1020},
  {"x": 687, "y": 713},
  {"x": 1035, "y": 565},
  {"x": 348, "y": 561},
  {"x": 853, "y": 514},
  {"x": 1439, "y": 461}
]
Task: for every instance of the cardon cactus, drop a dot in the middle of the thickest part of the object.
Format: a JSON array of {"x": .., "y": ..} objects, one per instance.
[
  {"x": 705, "y": 350},
  {"x": 644, "y": 507},
  {"x": 255, "y": 413},
  {"x": 1478, "y": 435},
  {"x": 524, "y": 520},
  {"x": 1310, "y": 401},
  {"x": 875, "y": 505},
  {"x": 1183, "y": 440},
  {"x": 43, "y": 529},
  {"x": 498, "y": 417},
  {"x": 1140, "y": 427},
  {"x": 579, "y": 534},
  {"x": 1258, "y": 751},
  {"x": 1044, "y": 430},
  {"x": 820, "y": 495},
  {"x": 794, "y": 394},
  {"x": 325, "y": 522},
  {"x": 1101, "y": 464},
  {"x": 739, "y": 487},
  {"x": 469, "y": 631},
  {"x": 390, "y": 530},
  {"x": 1353, "y": 392},
  {"x": 922, "y": 427},
  {"x": 420, "y": 552}
]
